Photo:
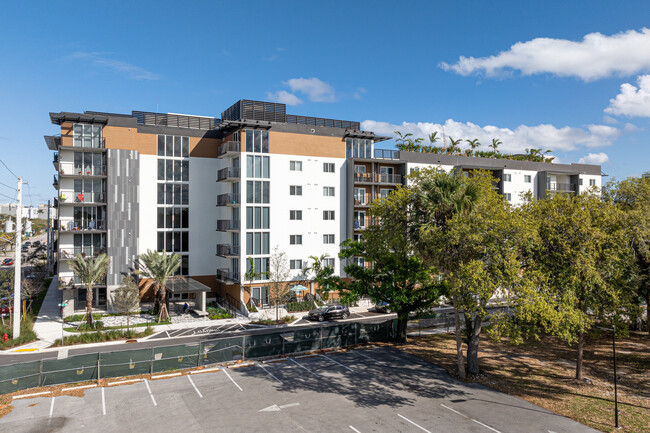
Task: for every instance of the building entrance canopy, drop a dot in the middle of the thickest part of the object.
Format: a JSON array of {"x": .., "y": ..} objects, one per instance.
[{"x": 188, "y": 285}]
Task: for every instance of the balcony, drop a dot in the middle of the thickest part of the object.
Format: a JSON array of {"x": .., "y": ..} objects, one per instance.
[
  {"x": 392, "y": 179},
  {"x": 66, "y": 254},
  {"x": 386, "y": 154},
  {"x": 75, "y": 282},
  {"x": 88, "y": 144},
  {"x": 72, "y": 198},
  {"x": 228, "y": 225},
  {"x": 229, "y": 148},
  {"x": 228, "y": 174},
  {"x": 55, "y": 182},
  {"x": 97, "y": 171},
  {"x": 228, "y": 200},
  {"x": 359, "y": 203},
  {"x": 55, "y": 161},
  {"x": 53, "y": 141},
  {"x": 226, "y": 250},
  {"x": 82, "y": 225},
  {"x": 56, "y": 203},
  {"x": 560, "y": 187},
  {"x": 227, "y": 276}
]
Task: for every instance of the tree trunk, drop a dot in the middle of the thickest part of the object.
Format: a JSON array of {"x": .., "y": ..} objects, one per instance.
[
  {"x": 163, "y": 305},
  {"x": 277, "y": 311},
  {"x": 89, "y": 305},
  {"x": 472, "y": 345},
  {"x": 647, "y": 310},
  {"x": 402, "y": 321},
  {"x": 581, "y": 342},
  {"x": 459, "y": 341}
]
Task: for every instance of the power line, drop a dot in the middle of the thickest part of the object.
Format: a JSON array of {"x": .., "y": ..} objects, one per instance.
[
  {"x": 29, "y": 193},
  {"x": 10, "y": 187},
  {"x": 3, "y": 163},
  {"x": 12, "y": 198}
]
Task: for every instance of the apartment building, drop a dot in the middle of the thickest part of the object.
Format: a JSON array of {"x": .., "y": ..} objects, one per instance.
[{"x": 224, "y": 191}]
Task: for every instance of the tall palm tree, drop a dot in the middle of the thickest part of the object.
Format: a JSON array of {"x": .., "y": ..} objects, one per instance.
[
  {"x": 495, "y": 144},
  {"x": 157, "y": 268},
  {"x": 90, "y": 271},
  {"x": 433, "y": 137},
  {"x": 473, "y": 144}
]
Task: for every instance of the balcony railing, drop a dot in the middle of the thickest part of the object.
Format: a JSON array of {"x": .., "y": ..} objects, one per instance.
[
  {"x": 86, "y": 142},
  {"x": 70, "y": 197},
  {"x": 229, "y": 147},
  {"x": 85, "y": 251},
  {"x": 226, "y": 275},
  {"x": 377, "y": 178},
  {"x": 386, "y": 154},
  {"x": 71, "y": 282},
  {"x": 89, "y": 170},
  {"x": 55, "y": 182},
  {"x": 228, "y": 225},
  {"x": 77, "y": 225},
  {"x": 228, "y": 200},
  {"x": 226, "y": 250},
  {"x": 228, "y": 173},
  {"x": 560, "y": 187}
]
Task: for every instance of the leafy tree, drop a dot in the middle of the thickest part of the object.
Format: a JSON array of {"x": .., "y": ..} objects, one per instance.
[
  {"x": 127, "y": 298},
  {"x": 323, "y": 275},
  {"x": 251, "y": 274},
  {"x": 90, "y": 271},
  {"x": 157, "y": 268},
  {"x": 632, "y": 196},
  {"x": 582, "y": 263},
  {"x": 394, "y": 273},
  {"x": 407, "y": 143},
  {"x": 278, "y": 275}
]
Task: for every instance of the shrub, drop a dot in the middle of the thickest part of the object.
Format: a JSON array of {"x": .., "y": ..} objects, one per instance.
[
  {"x": 98, "y": 337},
  {"x": 80, "y": 317},
  {"x": 292, "y": 307},
  {"x": 215, "y": 313},
  {"x": 97, "y": 325},
  {"x": 27, "y": 335}
]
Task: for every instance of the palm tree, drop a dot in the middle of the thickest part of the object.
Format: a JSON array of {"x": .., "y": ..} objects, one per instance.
[
  {"x": 157, "y": 268},
  {"x": 473, "y": 144},
  {"x": 433, "y": 137},
  {"x": 495, "y": 144},
  {"x": 90, "y": 271},
  {"x": 454, "y": 147},
  {"x": 251, "y": 274}
]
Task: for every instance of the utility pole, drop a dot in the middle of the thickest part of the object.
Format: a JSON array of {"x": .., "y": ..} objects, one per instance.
[{"x": 18, "y": 259}]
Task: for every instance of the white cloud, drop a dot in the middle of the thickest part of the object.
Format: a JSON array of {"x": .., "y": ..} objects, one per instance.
[
  {"x": 610, "y": 120},
  {"x": 133, "y": 72},
  {"x": 315, "y": 89},
  {"x": 632, "y": 101},
  {"x": 596, "y": 56},
  {"x": 284, "y": 97},
  {"x": 631, "y": 127},
  {"x": 594, "y": 158},
  {"x": 514, "y": 140}
]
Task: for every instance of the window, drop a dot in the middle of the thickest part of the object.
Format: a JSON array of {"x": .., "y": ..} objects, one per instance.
[
  {"x": 328, "y": 263},
  {"x": 359, "y": 168},
  {"x": 295, "y": 264},
  {"x": 508, "y": 196},
  {"x": 257, "y": 141},
  {"x": 89, "y": 136},
  {"x": 527, "y": 178},
  {"x": 295, "y": 190},
  {"x": 592, "y": 182},
  {"x": 507, "y": 177},
  {"x": 295, "y": 239},
  {"x": 328, "y": 215},
  {"x": 359, "y": 196},
  {"x": 359, "y": 220},
  {"x": 580, "y": 182},
  {"x": 358, "y": 148},
  {"x": 257, "y": 166},
  {"x": 328, "y": 239},
  {"x": 295, "y": 165},
  {"x": 383, "y": 192},
  {"x": 173, "y": 193},
  {"x": 173, "y": 217},
  {"x": 328, "y": 167},
  {"x": 295, "y": 215},
  {"x": 358, "y": 261},
  {"x": 173, "y": 146},
  {"x": 328, "y": 191},
  {"x": 257, "y": 191},
  {"x": 257, "y": 218},
  {"x": 257, "y": 243}
]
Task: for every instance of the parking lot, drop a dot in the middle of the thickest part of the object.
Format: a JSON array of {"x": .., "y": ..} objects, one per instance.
[{"x": 366, "y": 390}]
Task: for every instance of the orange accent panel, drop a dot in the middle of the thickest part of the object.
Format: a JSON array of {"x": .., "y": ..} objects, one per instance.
[
  {"x": 66, "y": 134},
  {"x": 201, "y": 147},
  {"x": 120, "y": 137},
  {"x": 306, "y": 145}
]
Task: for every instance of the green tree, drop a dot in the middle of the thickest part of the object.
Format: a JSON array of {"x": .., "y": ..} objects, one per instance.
[
  {"x": 495, "y": 144},
  {"x": 127, "y": 298},
  {"x": 632, "y": 196},
  {"x": 323, "y": 275},
  {"x": 278, "y": 275},
  {"x": 582, "y": 263},
  {"x": 251, "y": 275},
  {"x": 90, "y": 271},
  {"x": 157, "y": 268},
  {"x": 390, "y": 272}
]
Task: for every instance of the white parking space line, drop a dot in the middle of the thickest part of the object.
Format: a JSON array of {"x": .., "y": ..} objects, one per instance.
[
  {"x": 471, "y": 419},
  {"x": 303, "y": 367},
  {"x": 103, "y": 403},
  {"x": 52, "y": 407},
  {"x": 150, "y": 393},
  {"x": 418, "y": 426},
  {"x": 233, "y": 380},
  {"x": 336, "y": 362},
  {"x": 354, "y": 430},
  {"x": 269, "y": 373},
  {"x": 195, "y": 388},
  {"x": 373, "y": 359}
]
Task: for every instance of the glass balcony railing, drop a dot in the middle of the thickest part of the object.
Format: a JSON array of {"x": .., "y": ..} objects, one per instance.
[
  {"x": 77, "y": 225},
  {"x": 228, "y": 225},
  {"x": 226, "y": 250},
  {"x": 228, "y": 173},
  {"x": 229, "y": 147},
  {"x": 560, "y": 187},
  {"x": 228, "y": 200},
  {"x": 85, "y": 251},
  {"x": 377, "y": 178}
]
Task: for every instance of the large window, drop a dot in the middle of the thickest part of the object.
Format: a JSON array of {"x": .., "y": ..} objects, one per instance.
[
  {"x": 89, "y": 245},
  {"x": 89, "y": 136},
  {"x": 328, "y": 263},
  {"x": 295, "y": 190},
  {"x": 295, "y": 215},
  {"x": 358, "y": 148},
  {"x": 359, "y": 196},
  {"x": 257, "y": 191},
  {"x": 328, "y": 239},
  {"x": 257, "y": 166},
  {"x": 359, "y": 220},
  {"x": 178, "y": 194},
  {"x": 89, "y": 164},
  {"x": 257, "y": 141},
  {"x": 295, "y": 264},
  {"x": 261, "y": 266},
  {"x": 257, "y": 218},
  {"x": 173, "y": 146},
  {"x": 89, "y": 190},
  {"x": 328, "y": 167},
  {"x": 88, "y": 218},
  {"x": 258, "y": 243}
]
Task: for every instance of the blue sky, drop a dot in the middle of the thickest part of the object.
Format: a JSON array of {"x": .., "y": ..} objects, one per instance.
[{"x": 573, "y": 77}]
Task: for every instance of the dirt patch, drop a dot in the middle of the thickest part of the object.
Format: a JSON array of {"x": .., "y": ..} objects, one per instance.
[{"x": 543, "y": 374}]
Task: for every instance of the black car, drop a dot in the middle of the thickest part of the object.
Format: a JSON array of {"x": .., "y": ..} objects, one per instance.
[{"x": 329, "y": 312}]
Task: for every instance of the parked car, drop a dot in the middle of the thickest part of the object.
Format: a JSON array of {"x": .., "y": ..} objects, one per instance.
[
  {"x": 25, "y": 248},
  {"x": 27, "y": 244},
  {"x": 382, "y": 307},
  {"x": 8, "y": 262},
  {"x": 329, "y": 312},
  {"x": 6, "y": 309},
  {"x": 37, "y": 244}
]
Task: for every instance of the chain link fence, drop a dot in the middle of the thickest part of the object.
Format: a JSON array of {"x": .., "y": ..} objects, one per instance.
[{"x": 96, "y": 366}]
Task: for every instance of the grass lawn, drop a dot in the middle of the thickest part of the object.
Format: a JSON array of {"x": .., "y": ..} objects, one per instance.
[{"x": 543, "y": 373}]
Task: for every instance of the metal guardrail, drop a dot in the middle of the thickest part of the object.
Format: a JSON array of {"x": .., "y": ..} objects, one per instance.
[
  {"x": 227, "y": 199},
  {"x": 98, "y": 366}
]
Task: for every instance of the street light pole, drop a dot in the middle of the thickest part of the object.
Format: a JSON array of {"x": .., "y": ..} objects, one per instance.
[
  {"x": 615, "y": 377},
  {"x": 18, "y": 259}
]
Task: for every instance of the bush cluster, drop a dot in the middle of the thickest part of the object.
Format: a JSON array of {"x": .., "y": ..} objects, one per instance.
[
  {"x": 27, "y": 335},
  {"x": 215, "y": 313},
  {"x": 98, "y": 337},
  {"x": 292, "y": 307}
]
